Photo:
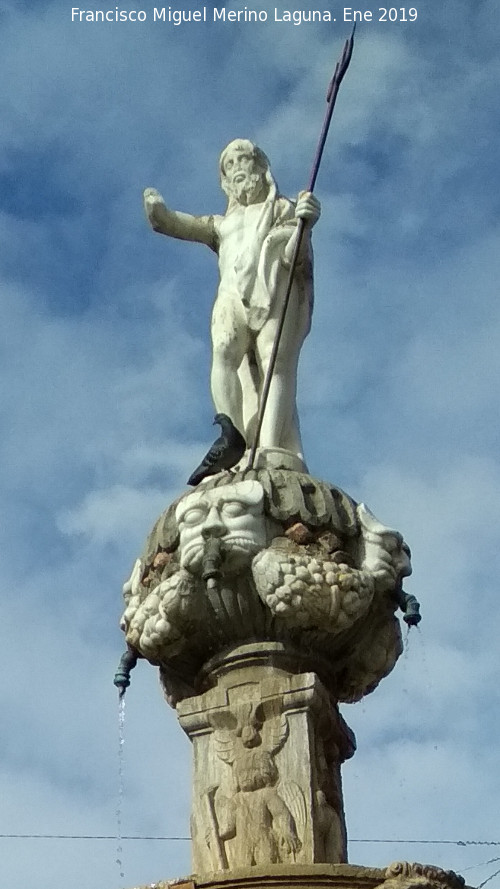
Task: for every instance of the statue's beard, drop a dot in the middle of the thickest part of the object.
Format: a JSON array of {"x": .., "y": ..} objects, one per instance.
[{"x": 247, "y": 190}]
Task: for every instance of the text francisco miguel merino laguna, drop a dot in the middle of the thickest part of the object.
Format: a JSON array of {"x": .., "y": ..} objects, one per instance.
[{"x": 180, "y": 16}]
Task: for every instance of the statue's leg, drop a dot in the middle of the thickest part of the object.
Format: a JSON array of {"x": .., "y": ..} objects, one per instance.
[
  {"x": 291, "y": 437},
  {"x": 230, "y": 342},
  {"x": 280, "y": 425}
]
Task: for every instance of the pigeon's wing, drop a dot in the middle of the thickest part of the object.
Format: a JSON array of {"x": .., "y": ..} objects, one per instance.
[
  {"x": 211, "y": 461},
  {"x": 216, "y": 452}
]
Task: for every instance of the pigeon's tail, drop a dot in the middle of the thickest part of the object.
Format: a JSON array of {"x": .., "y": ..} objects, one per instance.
[{"x": 196, "y": 477}]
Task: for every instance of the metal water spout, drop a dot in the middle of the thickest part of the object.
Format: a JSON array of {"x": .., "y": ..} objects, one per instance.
[
  {"x": 410, "y": 608},
  {"x": 212, "y": 562},
  {"x": 127, "y": 663}
]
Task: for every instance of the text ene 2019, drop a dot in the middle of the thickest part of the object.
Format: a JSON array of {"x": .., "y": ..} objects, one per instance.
[{"x": 385, "y": 14}]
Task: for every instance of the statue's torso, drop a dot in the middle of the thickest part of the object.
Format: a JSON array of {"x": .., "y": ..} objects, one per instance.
[{"x": 239, "y": 245}]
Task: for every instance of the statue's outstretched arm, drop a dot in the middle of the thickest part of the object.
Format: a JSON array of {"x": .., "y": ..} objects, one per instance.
[{"x": 178, "y": 225}]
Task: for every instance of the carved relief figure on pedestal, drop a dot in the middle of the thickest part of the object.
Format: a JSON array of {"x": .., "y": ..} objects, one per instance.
[
  {"x": 331, "y": 837},
  {"x": 254, "y": 817},
  {"x": 254, "y": 241},
  {"x": 328, "y": 827}
]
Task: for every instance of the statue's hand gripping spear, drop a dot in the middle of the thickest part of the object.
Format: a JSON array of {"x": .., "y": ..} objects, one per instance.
[{"x": 331, "y": 96}]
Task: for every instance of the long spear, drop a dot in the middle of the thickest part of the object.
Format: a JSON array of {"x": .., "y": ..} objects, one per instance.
[{"x": 331, "y": 96}]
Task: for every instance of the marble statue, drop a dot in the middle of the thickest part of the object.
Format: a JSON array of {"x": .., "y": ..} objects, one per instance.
[{"x": 254, "y": 241}]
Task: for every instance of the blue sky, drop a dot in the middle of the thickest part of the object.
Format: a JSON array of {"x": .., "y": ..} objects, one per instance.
[{"x": 106, "y": 409}]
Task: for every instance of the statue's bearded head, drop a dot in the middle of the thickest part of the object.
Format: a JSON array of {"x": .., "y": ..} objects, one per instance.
[{"x": 245, "y": 174}]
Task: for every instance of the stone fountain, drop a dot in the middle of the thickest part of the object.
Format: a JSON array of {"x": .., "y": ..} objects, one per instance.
[{"x": 267, "y": 596}]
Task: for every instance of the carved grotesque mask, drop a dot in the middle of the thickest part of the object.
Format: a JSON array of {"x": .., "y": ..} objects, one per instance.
[{"x": 233, "y": 513}]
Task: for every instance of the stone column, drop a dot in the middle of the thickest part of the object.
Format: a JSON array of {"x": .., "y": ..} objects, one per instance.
[{"x": 267, "y": 744}]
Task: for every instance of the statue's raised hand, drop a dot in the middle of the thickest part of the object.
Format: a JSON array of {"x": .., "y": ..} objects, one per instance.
[
  {"x": 152, "y": 197},
  {"x": 308, "y": 208},
  {"x": 155, "y": 207}
]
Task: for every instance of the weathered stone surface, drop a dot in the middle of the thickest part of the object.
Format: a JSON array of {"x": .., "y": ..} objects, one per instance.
[
  {"x": 289, "y": 496},
  {"x": 323, "y": 876},
  {"x": 267, "y": 752},
  {"x": 298, "y": 562},
  {"x": 266, "y": 597}
]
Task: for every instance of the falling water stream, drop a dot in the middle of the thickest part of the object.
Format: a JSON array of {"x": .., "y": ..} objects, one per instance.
[
  {"x": 426, "y": 676},
  {"x": 119, "y": 802},
  {"x": 419, "y": 651},
  {"x": 406, "y": 642}
]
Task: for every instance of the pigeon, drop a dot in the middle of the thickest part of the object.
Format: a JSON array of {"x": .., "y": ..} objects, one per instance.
[{"x": 225, "y": 452}]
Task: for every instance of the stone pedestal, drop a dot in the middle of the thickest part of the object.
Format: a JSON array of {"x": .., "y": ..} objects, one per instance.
[
  {"x": 267, "y": 744},
  {"x": 399, "y": 875}
]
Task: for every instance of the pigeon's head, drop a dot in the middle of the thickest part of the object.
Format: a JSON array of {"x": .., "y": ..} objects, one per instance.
[{"x": 223, "y": 420}]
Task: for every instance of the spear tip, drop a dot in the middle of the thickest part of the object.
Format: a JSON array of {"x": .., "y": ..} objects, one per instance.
[{"x": 341, "y": 66}]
